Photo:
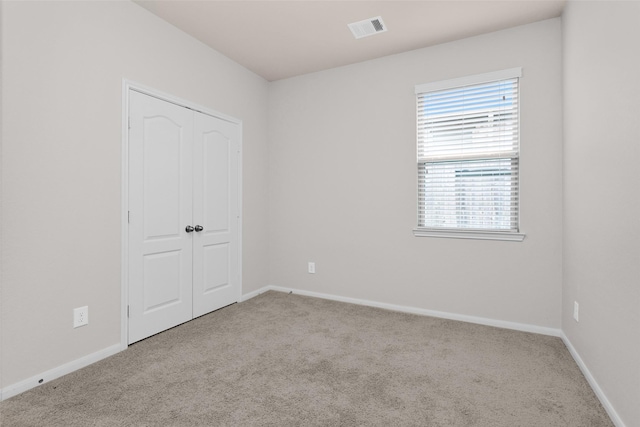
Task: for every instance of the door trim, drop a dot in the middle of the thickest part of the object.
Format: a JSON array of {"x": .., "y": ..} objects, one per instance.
[{"x": 127, "y": 87}]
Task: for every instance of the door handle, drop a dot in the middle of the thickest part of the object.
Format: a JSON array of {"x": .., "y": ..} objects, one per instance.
[
  {"x": 188, "y": 229},
  {"x": 199, "y": 228}
]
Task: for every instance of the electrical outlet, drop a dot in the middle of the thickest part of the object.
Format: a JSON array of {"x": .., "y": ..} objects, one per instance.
[
  {"x": 576, "y": 309},
  {"x": 80, "y": 316},
  {"x": 312, "y": 268}
]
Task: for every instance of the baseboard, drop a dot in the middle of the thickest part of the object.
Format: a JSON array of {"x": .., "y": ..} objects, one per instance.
[
  {"x": 254, "y": 294},
  {"x": 52, "y": 374},
  {"x": 615, "y": 418},
  {"x": 425, "y": 312}
]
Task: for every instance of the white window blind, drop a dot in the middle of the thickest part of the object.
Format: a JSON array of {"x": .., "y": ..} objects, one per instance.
[{"x": 468, "y": 153}]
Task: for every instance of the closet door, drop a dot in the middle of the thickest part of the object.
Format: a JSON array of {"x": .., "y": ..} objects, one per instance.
[
  {"x": 160, "y": 209},
  {"x": 216, "y": 258}
]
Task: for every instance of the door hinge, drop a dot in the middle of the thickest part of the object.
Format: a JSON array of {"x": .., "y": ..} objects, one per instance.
[
  {"x": 127, "y": 312},
  {"x": 129, "y": 217},
  {"x": 129, "y": 122}
]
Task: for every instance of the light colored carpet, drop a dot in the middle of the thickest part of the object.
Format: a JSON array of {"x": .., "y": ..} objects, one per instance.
[{"x": 288, "y": 360}]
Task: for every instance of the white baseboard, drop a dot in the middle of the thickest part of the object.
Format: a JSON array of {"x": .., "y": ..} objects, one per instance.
[
  {"x": 593, "y": 383},
  {"x": 253, "y": 294},
  {"x": 52, "y": 374},
  {"x": 422, "y": 311}
]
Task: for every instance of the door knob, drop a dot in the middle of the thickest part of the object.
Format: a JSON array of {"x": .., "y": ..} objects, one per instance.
[
  {"x": 188, "y": 229},
  {"x": 199, "y": 228}
]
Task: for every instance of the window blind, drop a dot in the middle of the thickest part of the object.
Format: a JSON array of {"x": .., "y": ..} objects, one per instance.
[{"x": 468, "y": 153}]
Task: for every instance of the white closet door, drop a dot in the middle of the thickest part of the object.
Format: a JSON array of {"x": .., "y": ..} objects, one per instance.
[
  {"x": 160, "y": 207},
  {"x": 215, "y": 188}
]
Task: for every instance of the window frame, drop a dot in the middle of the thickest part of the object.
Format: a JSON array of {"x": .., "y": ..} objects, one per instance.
[{"x": 462, "y": 233}]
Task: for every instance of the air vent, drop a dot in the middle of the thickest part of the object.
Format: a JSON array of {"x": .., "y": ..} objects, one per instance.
[{"x": 368, "y": 27}]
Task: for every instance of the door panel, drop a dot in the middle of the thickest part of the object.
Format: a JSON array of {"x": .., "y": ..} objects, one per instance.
[
  {"x": 216, "y": 249},
  {"x": 160, "y": 206},
  {"x": 163, "y": 268},
  {"x": 162, "y": 145},
  {"x": 216, "y": 149},
  {"x": 216, "y": 267}
]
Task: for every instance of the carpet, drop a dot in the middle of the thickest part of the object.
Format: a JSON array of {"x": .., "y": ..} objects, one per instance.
[{"x": 288, "y": 360}]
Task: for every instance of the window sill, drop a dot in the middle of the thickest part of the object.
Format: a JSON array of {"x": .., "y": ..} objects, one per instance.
[{"x": 470, "y": 234}]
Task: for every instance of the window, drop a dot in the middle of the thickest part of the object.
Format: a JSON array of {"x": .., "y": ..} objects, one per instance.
[{"x": 469, "y": 156}]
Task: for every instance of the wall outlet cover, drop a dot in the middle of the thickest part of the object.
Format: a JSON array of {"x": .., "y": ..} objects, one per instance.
[{"x": 80, "y": 316}]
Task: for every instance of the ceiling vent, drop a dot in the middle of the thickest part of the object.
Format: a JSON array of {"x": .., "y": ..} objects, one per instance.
[{"x": 368, "y": 27}]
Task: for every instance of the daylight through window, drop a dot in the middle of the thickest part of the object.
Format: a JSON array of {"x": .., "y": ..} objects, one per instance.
[{"x": 468, "y": 153}]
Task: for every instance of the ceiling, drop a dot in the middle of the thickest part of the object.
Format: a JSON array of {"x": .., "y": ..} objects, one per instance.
[{"x": 280, "y": 39}]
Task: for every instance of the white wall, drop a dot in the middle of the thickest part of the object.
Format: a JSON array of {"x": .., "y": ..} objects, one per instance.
[
  {"x": 63, "y": 65},
  {"x": 602, "y": 196},
  {"x": 343, "y": 184}
]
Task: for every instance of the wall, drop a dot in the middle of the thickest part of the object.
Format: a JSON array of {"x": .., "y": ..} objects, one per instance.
[
  {"x": 1, "y": 187},
  {"x": 343, "y": 184},
  {"x": 63, "y": 65},
  {"x": 602, "y": 197}
]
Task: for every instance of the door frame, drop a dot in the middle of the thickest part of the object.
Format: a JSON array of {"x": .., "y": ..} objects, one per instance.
[{"x": 127, "y": 87}]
